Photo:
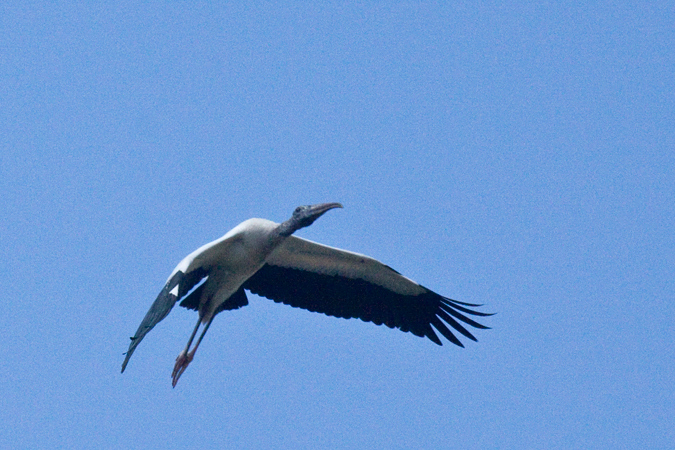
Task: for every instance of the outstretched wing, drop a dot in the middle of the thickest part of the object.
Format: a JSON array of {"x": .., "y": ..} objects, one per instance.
[
  {"x": 344, "y": 284},
  {"x": 177, "y": 287}
]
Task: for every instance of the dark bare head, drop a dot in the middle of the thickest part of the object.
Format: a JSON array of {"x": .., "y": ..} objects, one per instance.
[{"x": 304, "y": 216}]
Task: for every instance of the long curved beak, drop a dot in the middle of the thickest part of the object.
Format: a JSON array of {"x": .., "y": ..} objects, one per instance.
[{"x": 318, "y": 210}]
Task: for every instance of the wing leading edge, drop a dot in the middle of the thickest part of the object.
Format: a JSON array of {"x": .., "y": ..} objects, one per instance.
[{"x": 174, "y": 289}]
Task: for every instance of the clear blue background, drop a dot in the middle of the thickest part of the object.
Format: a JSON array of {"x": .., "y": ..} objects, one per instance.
[{"x": 513, "y": 154}]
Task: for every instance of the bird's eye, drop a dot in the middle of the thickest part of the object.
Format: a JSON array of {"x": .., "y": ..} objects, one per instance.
[{"x": 297, "y": 210}]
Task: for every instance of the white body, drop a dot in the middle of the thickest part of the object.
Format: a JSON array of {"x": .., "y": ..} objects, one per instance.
[{"x": 230, "y": 260}]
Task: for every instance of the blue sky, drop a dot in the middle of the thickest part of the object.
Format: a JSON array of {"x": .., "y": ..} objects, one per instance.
[{"x": 512, "y": 154}]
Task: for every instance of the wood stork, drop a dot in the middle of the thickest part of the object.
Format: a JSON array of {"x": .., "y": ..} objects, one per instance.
[{"x": 262, "y": 257}]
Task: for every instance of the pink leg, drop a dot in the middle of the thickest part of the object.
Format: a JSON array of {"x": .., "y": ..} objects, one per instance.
[{"x": 187, "y": 355}]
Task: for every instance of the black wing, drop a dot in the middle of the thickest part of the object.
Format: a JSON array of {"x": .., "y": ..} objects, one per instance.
[
  {"x": 345, "y": 297},
  {"x": 163, "y": 305},
  {"x": 236, "y": 300}
]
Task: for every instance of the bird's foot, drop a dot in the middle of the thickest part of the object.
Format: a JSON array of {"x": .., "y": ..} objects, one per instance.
[{"x": 183, "y": 360}]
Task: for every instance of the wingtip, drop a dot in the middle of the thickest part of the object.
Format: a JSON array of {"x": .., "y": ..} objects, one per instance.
[{"x": 126, "y": 359}]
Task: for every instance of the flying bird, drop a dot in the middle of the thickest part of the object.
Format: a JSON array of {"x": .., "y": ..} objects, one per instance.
[{"x": 264, "y": 258}]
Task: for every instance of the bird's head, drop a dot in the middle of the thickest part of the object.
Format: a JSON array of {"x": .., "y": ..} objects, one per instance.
[{"x": 304, "y": 216}]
